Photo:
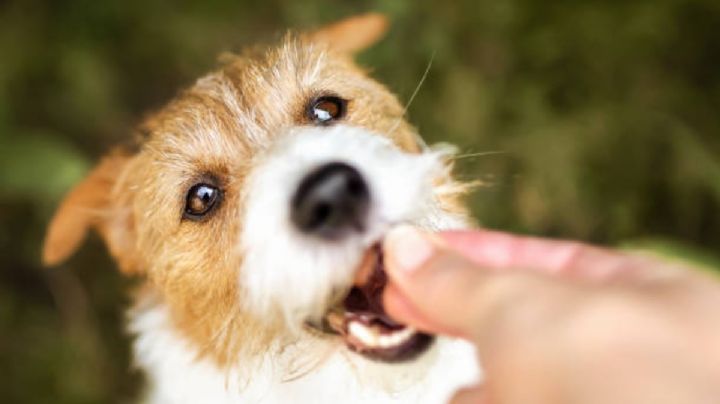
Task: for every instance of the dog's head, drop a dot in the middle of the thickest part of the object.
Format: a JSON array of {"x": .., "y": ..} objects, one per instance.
[{"x": 256, "y": 195}]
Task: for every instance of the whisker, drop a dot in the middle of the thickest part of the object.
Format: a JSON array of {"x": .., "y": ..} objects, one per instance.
[
  {"x": 300, "y": 370},
  {"x": 479, "y": 154},
  {"x": 412, "y": 96}
]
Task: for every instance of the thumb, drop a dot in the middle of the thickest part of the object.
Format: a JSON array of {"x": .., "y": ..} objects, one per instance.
[
  {"x": 434, "y": 288},
  {"x": 431, "y": 287}
]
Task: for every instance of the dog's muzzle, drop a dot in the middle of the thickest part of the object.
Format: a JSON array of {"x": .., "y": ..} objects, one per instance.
[{"x": 332, "y": 202}]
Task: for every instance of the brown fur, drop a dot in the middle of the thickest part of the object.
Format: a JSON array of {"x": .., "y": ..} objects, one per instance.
[{"x": 217, "y": 128}]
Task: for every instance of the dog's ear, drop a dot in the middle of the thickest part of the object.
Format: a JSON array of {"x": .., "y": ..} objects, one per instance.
[
  {"x": 353, "y": 34},
  {"x": 102, "y": 202}
]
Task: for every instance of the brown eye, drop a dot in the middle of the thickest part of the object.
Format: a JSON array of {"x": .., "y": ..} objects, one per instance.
[
  {"x": 326, "y": 109},
  {"x": 200, "y": 200}
]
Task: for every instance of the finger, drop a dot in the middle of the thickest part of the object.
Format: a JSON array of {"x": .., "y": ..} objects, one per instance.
[
  {"x": 400, "y": 308},
  {"x": 498, "y": 250},
  {"x": 428, "y": 297},
  {"x": 450, "y": 293}
]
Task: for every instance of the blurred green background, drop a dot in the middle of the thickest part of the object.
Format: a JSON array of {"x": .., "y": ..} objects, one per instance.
[{"x": 596, "y": 120}]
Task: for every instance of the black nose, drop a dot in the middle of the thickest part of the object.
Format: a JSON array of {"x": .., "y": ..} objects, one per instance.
[{"x": 331, "y": 201}]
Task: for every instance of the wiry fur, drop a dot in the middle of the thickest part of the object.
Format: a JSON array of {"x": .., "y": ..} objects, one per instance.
[{"x": 223, "y": 300}]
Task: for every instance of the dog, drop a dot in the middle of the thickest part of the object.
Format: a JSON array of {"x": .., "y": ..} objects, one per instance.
[{"x": 252, "y": 207}]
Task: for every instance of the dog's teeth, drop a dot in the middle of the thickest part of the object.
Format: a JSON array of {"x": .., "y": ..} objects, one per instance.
[
  {"x": 363, "y": 333},
  {"x": 373, "y": 338},
  {"x": 396, "y": 338}
]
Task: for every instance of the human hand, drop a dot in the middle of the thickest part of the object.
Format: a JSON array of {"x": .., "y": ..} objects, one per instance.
[{"x": 561, "y": 322}]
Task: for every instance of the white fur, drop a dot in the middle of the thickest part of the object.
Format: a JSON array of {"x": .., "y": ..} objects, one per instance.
[
  {"x": 289, "y": 273},
  {"x": 177, "y": 376}
]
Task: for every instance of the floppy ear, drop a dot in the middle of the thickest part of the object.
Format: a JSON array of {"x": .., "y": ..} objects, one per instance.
[
  {"x": 353, "y": 34},
  {"x": 99, "y": 203}
]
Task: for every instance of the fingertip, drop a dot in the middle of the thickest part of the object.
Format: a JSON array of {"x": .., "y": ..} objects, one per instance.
[
  {"x": 431, "y": 284},
  {"x": 407, "y": 249}
]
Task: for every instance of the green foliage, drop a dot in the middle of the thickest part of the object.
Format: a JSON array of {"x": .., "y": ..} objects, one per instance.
[
  {"x": 585, "y": 119},
  {"x": 39, "y": 166}
]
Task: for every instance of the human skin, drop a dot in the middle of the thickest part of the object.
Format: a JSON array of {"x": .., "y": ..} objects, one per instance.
[{"x": 560, "y": 321}]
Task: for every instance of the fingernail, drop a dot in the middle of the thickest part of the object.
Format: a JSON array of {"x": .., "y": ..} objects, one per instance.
[{"x": 409, "y": 247}]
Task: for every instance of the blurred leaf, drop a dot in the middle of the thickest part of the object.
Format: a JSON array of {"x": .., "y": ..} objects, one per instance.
[{"x": 39, "y": 166}]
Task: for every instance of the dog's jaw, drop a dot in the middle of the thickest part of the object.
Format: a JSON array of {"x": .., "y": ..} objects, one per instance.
[{"x": 310, "y": 369}]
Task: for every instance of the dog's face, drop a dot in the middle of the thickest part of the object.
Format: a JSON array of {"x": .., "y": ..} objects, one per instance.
[{"x": 256, "y": 196}]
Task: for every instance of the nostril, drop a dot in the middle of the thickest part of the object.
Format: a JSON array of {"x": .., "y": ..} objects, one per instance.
[
  {"x": 356, "y": 187},
  {"x": 331, "y": 201},
  {"x": 320, "y": 214}
]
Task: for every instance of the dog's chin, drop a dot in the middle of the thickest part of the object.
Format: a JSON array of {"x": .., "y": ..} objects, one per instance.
[{"x": 360, "y": 320}]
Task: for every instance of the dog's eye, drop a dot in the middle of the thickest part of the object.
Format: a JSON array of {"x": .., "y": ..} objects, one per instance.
[
  {"x": 200, "y": 200},
  {"x": 326, "y": 109}
]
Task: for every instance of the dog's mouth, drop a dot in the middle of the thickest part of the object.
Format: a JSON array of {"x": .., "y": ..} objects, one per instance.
[{"x": 361, "y": 321}]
